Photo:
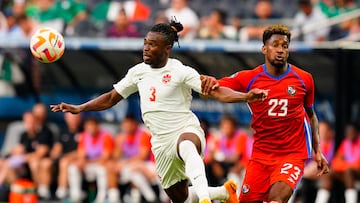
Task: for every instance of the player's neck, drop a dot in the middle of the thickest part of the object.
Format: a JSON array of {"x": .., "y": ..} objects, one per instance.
[{"x": 276, "y": 71}]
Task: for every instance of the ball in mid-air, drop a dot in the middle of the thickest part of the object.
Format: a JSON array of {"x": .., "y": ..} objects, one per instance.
[{"x": 47, "y": 45}]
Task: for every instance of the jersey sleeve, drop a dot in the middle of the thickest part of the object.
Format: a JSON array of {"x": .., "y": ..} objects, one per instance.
[
  {"x": 233, "y": 82},
  {"x": 192, "y": 79},
  {"x": 309, "y": 97},
  {"x": 126, "y": 86}
]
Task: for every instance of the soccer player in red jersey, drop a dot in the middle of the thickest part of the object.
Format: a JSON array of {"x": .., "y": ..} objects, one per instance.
[{"x": 285, "y": 124}]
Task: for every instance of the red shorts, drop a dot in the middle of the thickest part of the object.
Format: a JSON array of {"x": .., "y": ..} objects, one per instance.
[{"x": 262, "y": 174}]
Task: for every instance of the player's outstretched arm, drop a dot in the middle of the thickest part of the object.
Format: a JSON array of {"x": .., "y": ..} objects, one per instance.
[
  {"x": 102, "y": 102},
  {"x": 225, "y": 94}
]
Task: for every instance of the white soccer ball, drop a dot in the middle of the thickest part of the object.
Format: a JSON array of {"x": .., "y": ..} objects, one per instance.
[{"x": 47, "y": 45}]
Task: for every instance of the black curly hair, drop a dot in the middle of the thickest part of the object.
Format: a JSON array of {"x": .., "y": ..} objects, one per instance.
[
  {"x": 169, "y": 30},
  {"x": 276, "y": 29}
]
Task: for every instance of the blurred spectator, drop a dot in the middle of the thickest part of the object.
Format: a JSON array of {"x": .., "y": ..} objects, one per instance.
[
  {"x": 132, "y": 162},
  {"x": 180, "y": 10},
  {"x": 93, "y": 152},
  {"x": 305, "y": 19},
  {"x": 19, "y": 7},
  {"x": 332, "y": 8},
  {"x": 10, "y": 29},
  {"x": 263, "y": 12},
  {"x": 160, "y": 17},
  {"x": 28, "y": 25},
  {"x": 345, "y": 167},
  {"x": 40, "y": 112},
  {"x": 72, "y": 12},
  {"x": 62, "y": 153},
  {"x": 46, "y": 13},
  {"x": 107, "y": 11},
  {"x": 335, "y": 8},
  {"x": 33, "y": 146},
  {"x": 230, "y": 158},
  {"x": 310, "y": 178},
  {"x": 10, "y": 75},
  {"x": 214, "y": 26},
  {"x": 351, "y": 29},
  {"x": 122, "y": 27}
]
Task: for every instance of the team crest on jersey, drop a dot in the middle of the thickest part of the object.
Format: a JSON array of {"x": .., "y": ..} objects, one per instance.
[
  {"x": 291, "y": 90},
  {"x": 245, "y": 188},
  {"x": 166, "y": 78}
]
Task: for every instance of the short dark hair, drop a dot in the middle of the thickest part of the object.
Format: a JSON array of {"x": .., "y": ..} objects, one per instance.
[
  {"x": 170, "y": 31},
  {"x": 276, "y": 29}
]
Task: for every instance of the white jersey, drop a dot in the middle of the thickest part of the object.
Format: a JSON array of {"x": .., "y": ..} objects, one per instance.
[{"x": 165, "y": 94}]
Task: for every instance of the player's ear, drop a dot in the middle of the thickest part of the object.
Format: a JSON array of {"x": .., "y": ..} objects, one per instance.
[{"x": 263, "y": 49}]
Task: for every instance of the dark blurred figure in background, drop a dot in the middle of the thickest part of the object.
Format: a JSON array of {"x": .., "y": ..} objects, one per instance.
[
  {"x": 214, "y": 26},
  {"x": 122, "y": 27},
  {"x": 34, "y": 145},
  {"x": 54, "y": 168},
  {"x": 307, "y": 17}
]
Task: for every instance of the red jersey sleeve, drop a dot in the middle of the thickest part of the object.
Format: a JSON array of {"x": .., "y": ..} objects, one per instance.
[{"x": 309, "y": 97}]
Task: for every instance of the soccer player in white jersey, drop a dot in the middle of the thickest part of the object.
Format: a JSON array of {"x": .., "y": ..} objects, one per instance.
[{"x": 164, "y": 85}]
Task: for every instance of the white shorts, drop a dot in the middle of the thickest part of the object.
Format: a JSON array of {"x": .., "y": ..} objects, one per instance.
[{"x": 170, "y": 168}]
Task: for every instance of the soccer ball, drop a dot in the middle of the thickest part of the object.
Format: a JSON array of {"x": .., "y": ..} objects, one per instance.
[{"x": 47, "y": 45}]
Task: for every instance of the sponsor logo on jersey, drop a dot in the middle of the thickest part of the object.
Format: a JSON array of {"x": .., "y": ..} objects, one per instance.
[
  {"x": 291, "y": 90},
  {"x": 166, "y": 78},
  {"x": 245, "y": 188}
]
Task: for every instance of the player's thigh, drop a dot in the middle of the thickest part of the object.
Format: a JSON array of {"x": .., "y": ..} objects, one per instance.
[
  {"x": 256, "y": 183},
  {"x": 178, "y": 192},
  {"x": 285, "y": 178},
  {"x": 280, "y": 191}
]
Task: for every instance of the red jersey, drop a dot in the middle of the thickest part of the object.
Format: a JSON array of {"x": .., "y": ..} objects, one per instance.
[{"x": 281, "y": 125}]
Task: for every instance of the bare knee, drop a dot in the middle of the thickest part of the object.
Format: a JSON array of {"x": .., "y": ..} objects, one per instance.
[
  {"x": 179, "y": 192},
  {"x": 45, "y": 164}
]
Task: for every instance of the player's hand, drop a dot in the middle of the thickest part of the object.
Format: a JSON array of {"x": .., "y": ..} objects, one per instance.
[
  {"x": 64, "y": 107},
  {"x": 208, "y": 83},
  {"x": 257, "y": 95},
  {"x": 322, "y": 164}
]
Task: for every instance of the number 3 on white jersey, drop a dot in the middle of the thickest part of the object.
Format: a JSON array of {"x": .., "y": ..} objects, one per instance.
[{"x": 283, "y": 103}]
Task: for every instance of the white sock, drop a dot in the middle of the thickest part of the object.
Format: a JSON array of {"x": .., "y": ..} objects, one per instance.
[
  {"x": 135, "y": 195},
  {"x": 140, "y": 181},
  {"x": 194, "y": 168},
  {"x": 44, "y": 191},
  {"x": 113, "y": 195},
  {"x": 351, "y": 195},
  {"x": 216, "y": 193},
  {"x": 101, "y": 183},
  {"x": 61, "y": 192},
  {"x": 322, "y": 196},
  {"x": 74, "y": 183}
]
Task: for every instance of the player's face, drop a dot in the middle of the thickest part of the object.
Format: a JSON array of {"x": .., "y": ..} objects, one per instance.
[
  {"x": 276, "y": 50},
  {"x": 156, "y": 50}
]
